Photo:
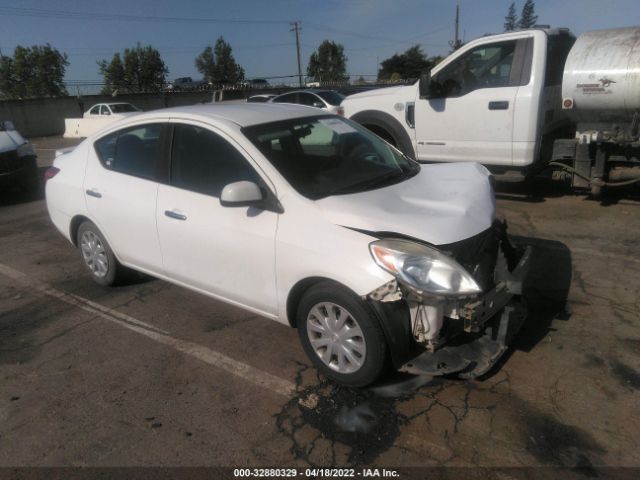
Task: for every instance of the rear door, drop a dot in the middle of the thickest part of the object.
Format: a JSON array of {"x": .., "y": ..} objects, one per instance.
[
  {"x": 227, "y": 252},
  {"x": 472, "y": 120},
  {"x": 121, "y": 188}
]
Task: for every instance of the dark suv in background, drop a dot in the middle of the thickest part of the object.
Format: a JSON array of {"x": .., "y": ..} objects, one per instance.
[{"x": 18, "y": 166}]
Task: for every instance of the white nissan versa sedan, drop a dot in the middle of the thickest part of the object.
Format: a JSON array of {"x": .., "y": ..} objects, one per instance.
[{"x": 305, "y": 218}]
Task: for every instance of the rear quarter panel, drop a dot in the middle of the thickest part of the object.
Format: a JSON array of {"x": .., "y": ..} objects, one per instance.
[{"x": 64, "y": 195}]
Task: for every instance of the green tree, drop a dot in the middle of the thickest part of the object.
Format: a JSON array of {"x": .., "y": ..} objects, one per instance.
[
  {"x": 140, "y": 70},
  {"x": 113, "y": 74},
  {"x": 511, "y": 19},
  {"x": 528, "y": 17},
  {"x": 7, "y": 77},
  {"x": 328, "y": 63},
  {"x": 217, "y": 64},
  {"x": 408, "y": 65},
  {"x": 36, "y": 71}
]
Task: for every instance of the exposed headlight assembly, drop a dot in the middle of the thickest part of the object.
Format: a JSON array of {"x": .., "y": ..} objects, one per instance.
[{"x": 423, "y": 268}]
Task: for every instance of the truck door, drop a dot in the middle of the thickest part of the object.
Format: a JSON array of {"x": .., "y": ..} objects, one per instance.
[{"x": 470, "y": 114}]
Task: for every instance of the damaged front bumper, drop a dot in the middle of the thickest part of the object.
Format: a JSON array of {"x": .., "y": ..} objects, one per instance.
[{"x": 466, "y": 337}]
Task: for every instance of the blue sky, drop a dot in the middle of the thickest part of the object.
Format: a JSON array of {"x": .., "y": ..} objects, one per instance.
[{"x": 370, "y": 30}]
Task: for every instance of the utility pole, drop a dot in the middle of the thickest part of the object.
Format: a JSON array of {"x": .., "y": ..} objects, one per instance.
[
  {"x": 296, "y": 28},
  {"x": 457, "y": 43}
]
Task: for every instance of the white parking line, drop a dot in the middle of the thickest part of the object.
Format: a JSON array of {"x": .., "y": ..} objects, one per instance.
[{"x": 211, "y": 357}]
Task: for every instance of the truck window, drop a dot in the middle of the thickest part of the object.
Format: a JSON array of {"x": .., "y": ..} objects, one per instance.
[{"x": 486, "y": 66}]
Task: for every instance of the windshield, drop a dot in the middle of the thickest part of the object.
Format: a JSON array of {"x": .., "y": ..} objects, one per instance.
[
  {"x": 123, "y": 108},
  {"x": 329, "y": 155},
  {"x": 333, "y": 98}
]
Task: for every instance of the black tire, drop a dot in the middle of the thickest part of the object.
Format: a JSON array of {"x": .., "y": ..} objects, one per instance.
[
  {"x": 114, "y": 270},
  {"x": 373, "y": 362}
]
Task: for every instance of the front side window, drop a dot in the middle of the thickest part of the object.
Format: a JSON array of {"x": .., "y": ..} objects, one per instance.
[
  {"x": 104, "y": 110},
  {"x": 95, "y": 110},
  {"x": 486, "y": 66},
  {"x": 328, "y": 155},
  {"x": 133, "y": 151},
  {"x": 204, "y": 162}
]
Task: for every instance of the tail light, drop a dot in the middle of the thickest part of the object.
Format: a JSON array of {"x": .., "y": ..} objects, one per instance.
[
  {"x": 50, "y": 173},
  {"x": 340, "y": 111}
]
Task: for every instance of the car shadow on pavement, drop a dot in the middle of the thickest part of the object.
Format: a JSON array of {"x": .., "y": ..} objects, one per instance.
[{"x": 545, "y": 291}]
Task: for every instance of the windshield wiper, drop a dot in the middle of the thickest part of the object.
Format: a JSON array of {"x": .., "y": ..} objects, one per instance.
[{"x": 371, "y": 183}]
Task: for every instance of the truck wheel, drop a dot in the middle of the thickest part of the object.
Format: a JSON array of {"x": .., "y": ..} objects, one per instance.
[
  {"x": 97, "y": 256},
  {"x": 341, "y": 335}
]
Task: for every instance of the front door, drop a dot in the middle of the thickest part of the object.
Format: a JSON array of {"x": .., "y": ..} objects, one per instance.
[
  {"x": 227, "y": 252},
  {"x": 472, "y": 117}
]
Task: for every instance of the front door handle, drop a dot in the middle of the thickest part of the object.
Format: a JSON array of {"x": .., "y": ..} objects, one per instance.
[
  {"x": 499, "y": 105},
  {"x": 94, "y": 193},
  {"x": 176, "y": 215}
]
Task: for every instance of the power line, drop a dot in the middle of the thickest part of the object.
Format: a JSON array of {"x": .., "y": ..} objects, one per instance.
[{"x": 69, "y": 15}]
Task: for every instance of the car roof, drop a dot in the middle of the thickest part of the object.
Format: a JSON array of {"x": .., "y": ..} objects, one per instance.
[{"x": 242, "y": 114}]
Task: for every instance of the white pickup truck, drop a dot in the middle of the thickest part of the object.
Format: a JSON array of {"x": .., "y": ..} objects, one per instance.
[{"x": 517, "y": 102}]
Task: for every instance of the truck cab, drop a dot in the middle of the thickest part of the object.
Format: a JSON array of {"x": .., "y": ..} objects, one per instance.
[{"x": 496, "y": 101}]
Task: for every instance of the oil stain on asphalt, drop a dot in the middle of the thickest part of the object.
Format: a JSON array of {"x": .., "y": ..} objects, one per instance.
[{"x": 328, "y": 424}]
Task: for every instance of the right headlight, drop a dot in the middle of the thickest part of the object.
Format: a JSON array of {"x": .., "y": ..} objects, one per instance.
[{"x": 423, "y": 268}]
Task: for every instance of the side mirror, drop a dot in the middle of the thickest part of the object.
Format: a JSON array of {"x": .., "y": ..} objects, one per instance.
[
  {"x": 241, "y": 194},
  {"x": 319, "y": 105},
  {"x": 424, "y": 87}
]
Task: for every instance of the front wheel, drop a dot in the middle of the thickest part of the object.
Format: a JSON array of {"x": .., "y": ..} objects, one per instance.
[
  {"x": 341, "y": 335},
  {"x": 97, "y": 256}
]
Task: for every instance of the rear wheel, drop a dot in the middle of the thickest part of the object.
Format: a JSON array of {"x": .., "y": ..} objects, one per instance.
[
  {"x": 97, "y": 256},
  {"x": 341, "y": 335}
]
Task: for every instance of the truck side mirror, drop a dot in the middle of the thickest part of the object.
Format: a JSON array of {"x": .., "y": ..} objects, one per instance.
[{"x": 424, "y": 87}]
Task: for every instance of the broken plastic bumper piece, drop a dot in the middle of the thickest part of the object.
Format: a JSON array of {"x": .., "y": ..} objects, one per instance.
[{"x": 490, "y": 323}]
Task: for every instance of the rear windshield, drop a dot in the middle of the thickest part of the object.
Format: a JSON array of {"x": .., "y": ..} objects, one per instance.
[
  {"x": 329, "y": 155},
  {"x": 333, "y": 98}
]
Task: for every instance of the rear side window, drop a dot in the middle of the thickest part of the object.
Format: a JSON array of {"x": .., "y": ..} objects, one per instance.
[
  {"x": 134, "y": 151},
  {"x": 308, "y": 99},
  {"x": 204, "y": 162}
]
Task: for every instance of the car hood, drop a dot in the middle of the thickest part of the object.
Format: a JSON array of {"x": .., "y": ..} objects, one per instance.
[
  {"x": 442, "y": 204},
  {"x": 10, "y": 140},
  {"x": 382, "y": 92}
]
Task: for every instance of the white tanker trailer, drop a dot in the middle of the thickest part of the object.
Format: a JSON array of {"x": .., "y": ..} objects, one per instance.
[
  {"x": 519, "y": 102},
  {"x": 601, "y": 96}
]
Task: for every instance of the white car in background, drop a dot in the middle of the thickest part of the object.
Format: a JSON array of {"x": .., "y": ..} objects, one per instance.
[
  {"x": 328, "y": 100},
  {"x": 111, "y": 109},
  {"x": 305, "y": 218},
  {"x": 96, "y": 118}
]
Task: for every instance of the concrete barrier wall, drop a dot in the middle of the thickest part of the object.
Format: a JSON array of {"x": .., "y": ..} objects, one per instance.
[{"x": 45, "y": 116}]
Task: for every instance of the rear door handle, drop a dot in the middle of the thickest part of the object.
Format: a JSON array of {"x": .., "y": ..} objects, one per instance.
[
  {"x": 176, "y": 215},
  {"x": 499, "y": 105},
  {"x": 94, "y": 193}
]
